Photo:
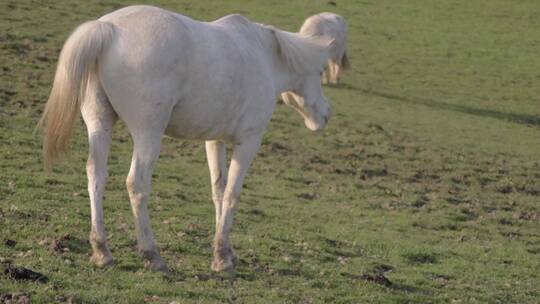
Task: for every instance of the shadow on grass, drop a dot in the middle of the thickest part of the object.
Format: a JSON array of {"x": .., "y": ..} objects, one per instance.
[
  {"x": 524, "y": 119},
  {"x": 129, "y": 267}
]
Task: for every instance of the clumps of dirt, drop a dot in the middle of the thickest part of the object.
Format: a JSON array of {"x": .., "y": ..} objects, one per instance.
[
  {"x": 421, "y": 258},
  {"x": 345, "y": 171},
  {"x": 196, "y": 231},
  {"x": 505, "y": 189},
  {"x": 203, "y": 277},
  {"x": 308, "y": 196},
  {"x": 382, "y": 268},
  {"x": 319, "y": 160},
  {"x": 271, "y": 147},
  {"x": 420, "y": 202},
  {"x": 375, "y": 127},
  {"x": 65, "y": 300},
  {"x": 19, "y": 46},
  {"x": 14, "y": 298},
  {"x": 506, "y": 186},
  {"x": 377, "y": 278},
  {"x": 423, "y": 175},
  {"x": 341, "y": 249},
  {"x": 59, "y": 245},
  {"x": 529, "y": 189},
  {"x": 64, "y": 244},
  {"x": 19, "y": 273},
  {"x": 505, "y": 221},
  {"x": 7, "y": 94},
  {"x": 279, "y": 148},
  {"x": 44, "y": 57},
  {"x": 529, "y": 216},
  {"x": 367, "y": 174},
  {"x": 10, "y": 243},
  {"x": 375, "y": 274},
  {"x": 255, "y": 212},
  {"x": 462, "y": 179},
  {"x": 441, "y": 280}
]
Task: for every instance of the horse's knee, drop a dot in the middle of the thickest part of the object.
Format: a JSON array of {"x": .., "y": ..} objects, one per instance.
[
  {"x": 230, "y": 200},
  {"x": 218, "y": 189},
  {"x": 135, "y": 189},
  {"x": 217, "y": 198}
]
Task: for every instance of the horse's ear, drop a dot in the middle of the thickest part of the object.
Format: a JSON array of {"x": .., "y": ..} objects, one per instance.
[{"x": 302, "y": 53}]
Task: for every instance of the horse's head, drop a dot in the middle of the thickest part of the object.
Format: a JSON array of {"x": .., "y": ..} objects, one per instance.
[
  {"x": 306, "y": 58},
  {"x": 309, "y": 101}
]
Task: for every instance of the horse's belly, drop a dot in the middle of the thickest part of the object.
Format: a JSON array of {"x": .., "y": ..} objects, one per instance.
[
  {"x": 183, "y": 131},
  {"x": 203, "y": 125}
]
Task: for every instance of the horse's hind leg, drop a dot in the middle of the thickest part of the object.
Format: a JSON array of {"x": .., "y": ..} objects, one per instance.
[
  {"x": 146, "y": 148},
  {"x": 99, "y": 118}
]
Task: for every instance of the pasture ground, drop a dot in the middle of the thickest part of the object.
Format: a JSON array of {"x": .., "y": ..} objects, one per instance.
[{"x": 424, "y": 188}]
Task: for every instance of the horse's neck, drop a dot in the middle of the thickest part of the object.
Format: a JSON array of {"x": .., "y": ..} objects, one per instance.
[
  {"x": 283, "y": 79},
  {"x": 281, "y": 73}
]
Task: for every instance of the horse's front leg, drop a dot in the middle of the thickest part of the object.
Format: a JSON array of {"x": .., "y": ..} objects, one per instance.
[
  {"x": 336, "y": 71},
  {"x": 243, "y": 154},
  {"x": 326, "y": 75},
  {"x": 217, "y": 163},
  {"x": 145, "y": 153}
]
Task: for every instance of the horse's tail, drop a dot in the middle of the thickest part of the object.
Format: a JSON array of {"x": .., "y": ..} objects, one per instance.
[
  {"x": 78, "y": 61},
  {"x": 345, "y": 64}
]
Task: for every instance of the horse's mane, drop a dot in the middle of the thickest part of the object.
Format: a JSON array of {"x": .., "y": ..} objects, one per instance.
[{"x": 302, "y": 53}]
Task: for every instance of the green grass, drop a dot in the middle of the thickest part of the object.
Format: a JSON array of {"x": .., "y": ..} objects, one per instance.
[{"x": 428, "y": 172}]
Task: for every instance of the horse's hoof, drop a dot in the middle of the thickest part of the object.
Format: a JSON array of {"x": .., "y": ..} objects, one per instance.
[
  {"x": 157, "y": 266},
  {"x": 154, "y": 262},
  {"x": 102, "y": 260},
  {"x": 224, "y": 265}
]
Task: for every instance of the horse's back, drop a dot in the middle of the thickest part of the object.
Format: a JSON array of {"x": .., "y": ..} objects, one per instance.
[{"x": 160, "y": 42}]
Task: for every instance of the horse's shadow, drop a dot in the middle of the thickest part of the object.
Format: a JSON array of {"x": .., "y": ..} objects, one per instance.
[{"x": 520, "y": 118}]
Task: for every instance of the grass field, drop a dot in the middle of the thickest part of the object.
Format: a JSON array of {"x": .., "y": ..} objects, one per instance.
[{"x": 424, "y": 188}]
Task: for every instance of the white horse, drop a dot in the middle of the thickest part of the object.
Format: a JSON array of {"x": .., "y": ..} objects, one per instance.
[
  {"x": 334, "y": 27},
  {"x": 164, "y": 73}
]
